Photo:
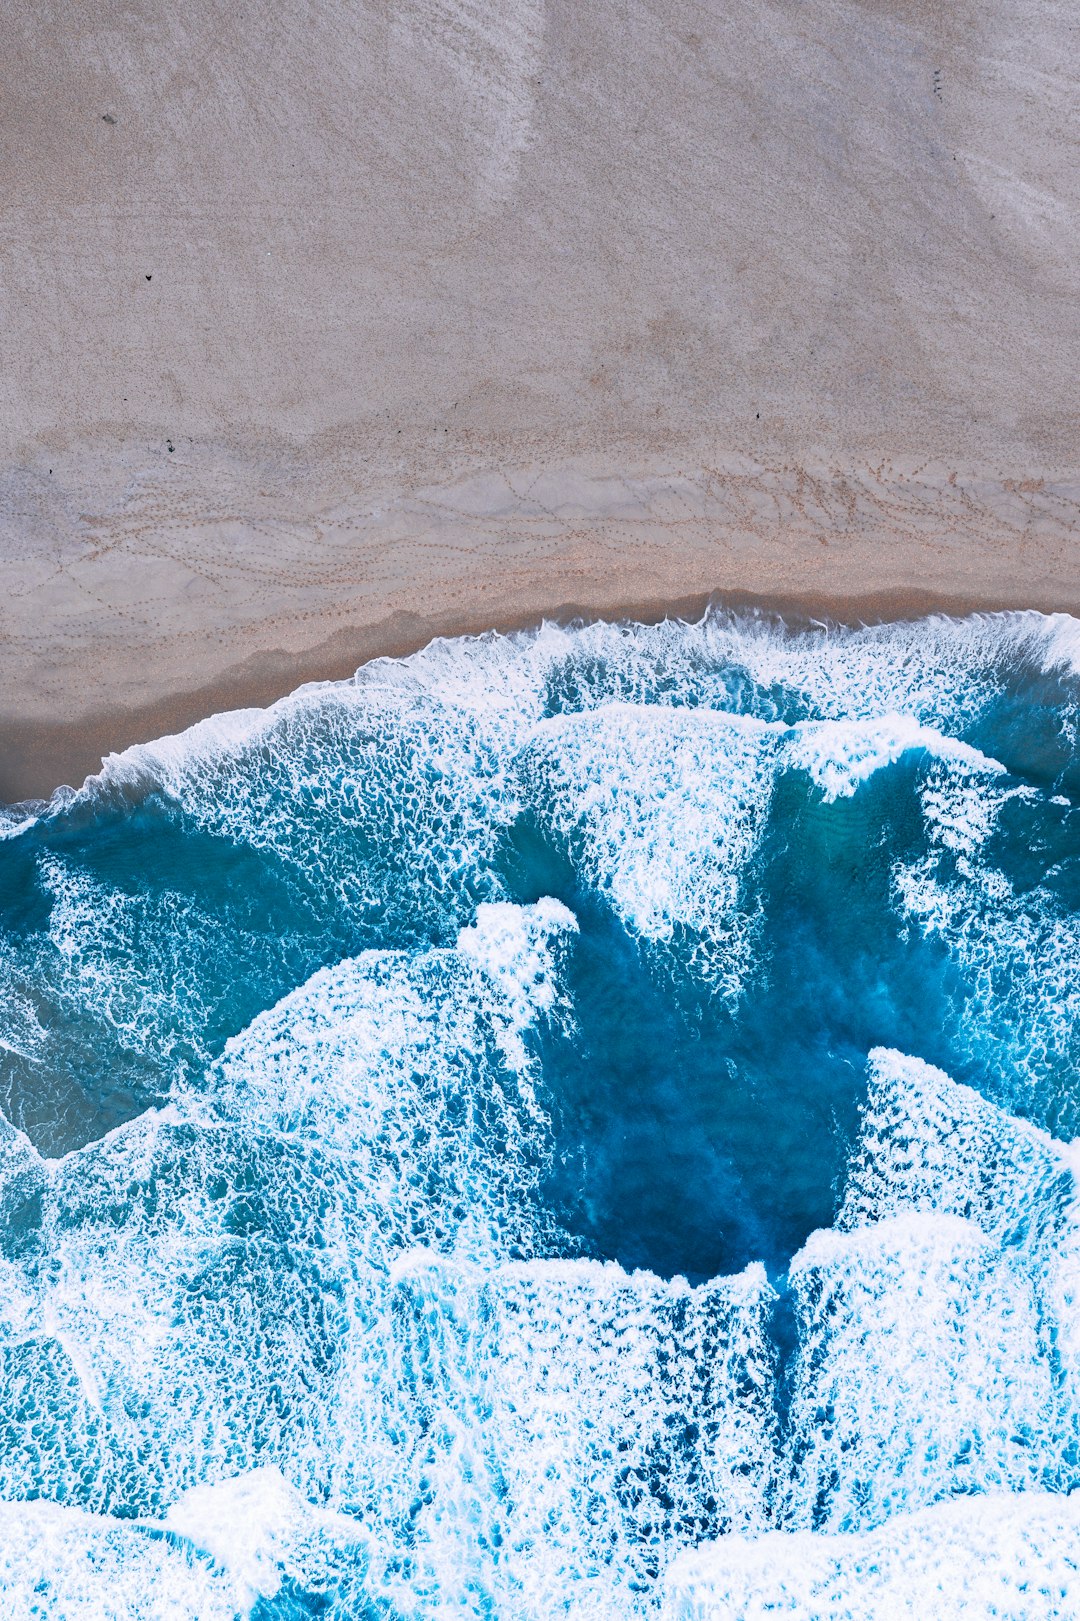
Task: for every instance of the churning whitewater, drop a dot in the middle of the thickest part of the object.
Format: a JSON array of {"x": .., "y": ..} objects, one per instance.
[{"x": 573, "y": 1124}]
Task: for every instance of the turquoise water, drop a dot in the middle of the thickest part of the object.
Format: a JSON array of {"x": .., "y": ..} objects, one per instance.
[{"x": 504, "y": 1134}]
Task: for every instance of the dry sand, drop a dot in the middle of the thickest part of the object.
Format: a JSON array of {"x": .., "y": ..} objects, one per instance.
[{"x": 330, "y": 326}]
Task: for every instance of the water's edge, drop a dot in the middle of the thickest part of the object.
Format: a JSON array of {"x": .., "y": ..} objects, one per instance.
[{"x": 43, "y": 753}]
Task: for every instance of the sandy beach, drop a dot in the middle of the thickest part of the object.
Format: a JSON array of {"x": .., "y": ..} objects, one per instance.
[{"x": 329, "y": 331}]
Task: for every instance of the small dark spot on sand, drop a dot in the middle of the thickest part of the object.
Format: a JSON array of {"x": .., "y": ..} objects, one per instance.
[
  {"x": 149, "y": 277},
  {"x": 108, "y": 118},
  {"x": 169, "y": 446}
]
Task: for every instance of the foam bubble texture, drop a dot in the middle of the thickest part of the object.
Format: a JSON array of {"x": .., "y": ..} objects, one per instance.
[
  {"x": 410, "y": 769},
  {"x": 374, "y": 792},
  {"x": 1010, "y": 1558},
  {"x": 1020, "y": 998},
  {"x": 71, "y": 1566},
  {"x": 663, "y": 811},
  {"x": 211, "y": 1298},
  {"x": 928, "y": 1144},
  {"x": 305, "y": 1333},
  {"x": 218, "y": 1552},
  {"x": 574, "y": 1425},
  {"x": 197, "y": 1275},
  {"x": 841, "y": 754},
  {"x": 919, "y": 1374}
]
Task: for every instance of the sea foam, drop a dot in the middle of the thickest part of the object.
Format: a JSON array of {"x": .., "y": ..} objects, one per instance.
[{"x": 295, "y": 1314}]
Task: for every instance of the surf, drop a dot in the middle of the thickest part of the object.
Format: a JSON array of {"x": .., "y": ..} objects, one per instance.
[{"x": 578, "y": 1122}]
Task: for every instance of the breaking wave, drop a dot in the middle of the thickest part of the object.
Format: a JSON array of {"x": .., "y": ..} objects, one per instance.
[{"x": 572, "y": 1124}]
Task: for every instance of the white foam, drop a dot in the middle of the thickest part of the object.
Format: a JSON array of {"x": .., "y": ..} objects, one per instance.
[
  {"x": 1062, "y": 633},
  {"x": 22, "y": 1178},
  {"x": 392, "y": 1060},
  {"x": 1021, "y": 997},
  {"x": 68, "y": 1565},
  {"x": 919, "y": 1374},
  {"x": 235, "y": 1283},
  {"x": 13, "y": 823},
  {"x": 1005, "y": 1556},
  {"x": 218, "y": 1551},
  {"x": 132, "y": 983},
  {"x": 512, "y": 944},
  {"x": 943, "y": 671},
  {"x": 664, "y": 809},
  {"x": 258, "y": 1529},
  {"x": 931, "y": 1145},
  {"x": 842, "y": 754},
  {"x": 372, "y": 1108},
  {"x": 382, "y": 794},
  {"x": 379, "y": 791},
  {"x": 128, "y": 962},
  {"x": 487, "y": 693},
  {"x": 961, "y": 808},
  {"x": 325, "y": 1273},
  {"x": 574, "y": 1425}
]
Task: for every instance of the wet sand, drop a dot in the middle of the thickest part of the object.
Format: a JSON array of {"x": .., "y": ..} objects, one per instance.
[{"x": 329, "y": 331}]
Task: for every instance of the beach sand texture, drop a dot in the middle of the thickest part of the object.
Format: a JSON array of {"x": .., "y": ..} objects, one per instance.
[{"x": 330, "y": 327}]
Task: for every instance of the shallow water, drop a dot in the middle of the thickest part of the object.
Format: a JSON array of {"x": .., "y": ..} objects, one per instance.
[{"x": 486, "y": 1130}]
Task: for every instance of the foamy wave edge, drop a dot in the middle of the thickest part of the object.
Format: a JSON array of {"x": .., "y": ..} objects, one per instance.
[{"x": 1052, "y": 640}]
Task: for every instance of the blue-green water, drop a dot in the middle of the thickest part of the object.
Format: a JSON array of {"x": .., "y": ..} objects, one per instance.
[{"x": 479, "y": 1132}]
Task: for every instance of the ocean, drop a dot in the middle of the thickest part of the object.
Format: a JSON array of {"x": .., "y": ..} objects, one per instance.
[{"x": 571, "y": 1124}]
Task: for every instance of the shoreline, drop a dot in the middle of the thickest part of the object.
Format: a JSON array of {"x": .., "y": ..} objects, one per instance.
[
  {"x": 425, "y": 318},
  {"x": 66, "y": 753},
  {"x": 197, "y": 582}
]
